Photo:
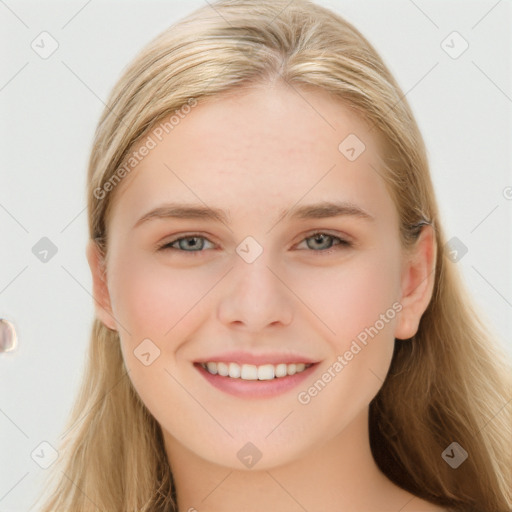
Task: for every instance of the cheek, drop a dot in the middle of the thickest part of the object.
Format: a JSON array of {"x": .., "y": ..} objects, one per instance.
[
  {"x": 352, "y": 296},
  {"x": 155, "y": 301},
  {"x": 359, "y": 303},
  {"x": 161, "y": 304},
  {"x": 165, "y": 306}
]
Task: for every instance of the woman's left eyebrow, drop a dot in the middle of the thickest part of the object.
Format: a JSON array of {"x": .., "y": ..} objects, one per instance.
[{"x": 322, "y": 210}]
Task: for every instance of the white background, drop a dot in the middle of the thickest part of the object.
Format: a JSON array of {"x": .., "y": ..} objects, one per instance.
[{"x": 49, "y": 110}]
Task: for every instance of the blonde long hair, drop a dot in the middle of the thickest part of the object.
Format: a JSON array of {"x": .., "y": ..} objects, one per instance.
[{"x": 448, "y": 383}]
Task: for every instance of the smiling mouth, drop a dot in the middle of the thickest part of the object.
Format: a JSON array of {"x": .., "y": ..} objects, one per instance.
[{"x": 254, "y": 372}]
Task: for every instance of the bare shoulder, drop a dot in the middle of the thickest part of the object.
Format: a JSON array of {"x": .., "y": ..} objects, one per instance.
[
  {"x": 405, "y": 501},
  {"x": 401, "y": 499},
  {"x": 418, "y": 505}
]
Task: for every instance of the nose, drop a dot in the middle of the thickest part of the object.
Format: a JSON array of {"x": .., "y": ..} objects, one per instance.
[{"x": 254, "y": 297}]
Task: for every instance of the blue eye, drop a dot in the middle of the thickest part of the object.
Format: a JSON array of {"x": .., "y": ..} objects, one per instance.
[
  {"x": 320, "y": 238},
  {"x": 196, "y": 243}
]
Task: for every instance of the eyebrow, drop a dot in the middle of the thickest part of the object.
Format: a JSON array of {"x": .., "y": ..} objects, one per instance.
[{"x": 322, "y": 210}]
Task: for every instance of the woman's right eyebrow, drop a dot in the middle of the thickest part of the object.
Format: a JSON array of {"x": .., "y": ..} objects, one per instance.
[
  {"x": 322, "y": 210},
  {"x": 184, "y": 211}
]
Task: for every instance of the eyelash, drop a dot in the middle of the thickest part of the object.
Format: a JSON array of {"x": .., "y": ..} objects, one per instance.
[{"x": 341, "y": 245}]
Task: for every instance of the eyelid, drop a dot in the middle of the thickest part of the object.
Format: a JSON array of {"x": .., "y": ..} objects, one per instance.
[
  {"x": 345, "y": 241},
  {"x": 181, "y": 236},
  {"x": 335, "y": 234}
]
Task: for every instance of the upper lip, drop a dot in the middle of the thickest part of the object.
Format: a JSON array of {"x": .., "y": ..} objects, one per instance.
[{"x": 256, "y": 359}]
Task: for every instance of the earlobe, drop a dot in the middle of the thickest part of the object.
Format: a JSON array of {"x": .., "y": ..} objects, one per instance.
[
  {"x": 417, "y": 284},
  {"x": 102, "y": 305}
]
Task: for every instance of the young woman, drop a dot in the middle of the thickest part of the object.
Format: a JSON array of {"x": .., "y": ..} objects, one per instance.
[{"x": 278, "y": 326}]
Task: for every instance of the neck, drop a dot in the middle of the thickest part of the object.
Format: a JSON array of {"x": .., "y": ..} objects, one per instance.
[{"x": 338, "y": 474}]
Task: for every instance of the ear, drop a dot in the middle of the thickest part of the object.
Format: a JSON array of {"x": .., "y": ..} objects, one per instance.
[
  {"x": 101, "y": 294},
  {"x": 417, "y": 283}
]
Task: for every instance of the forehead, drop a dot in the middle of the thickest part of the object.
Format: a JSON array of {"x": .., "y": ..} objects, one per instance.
[{"x": 257, "y": 151}]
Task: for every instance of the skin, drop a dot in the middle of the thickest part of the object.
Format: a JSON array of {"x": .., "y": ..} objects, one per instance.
[{"x": 256, "y": 153}]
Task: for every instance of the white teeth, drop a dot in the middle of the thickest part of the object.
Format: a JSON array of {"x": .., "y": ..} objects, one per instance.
[
  {"x": 253, "y": 372},
  {"x": 249, "y": 372},
  {"x": 222, "y": 369},
  {"x": 281, "y": 370},
  {"x": 266, "y": 372},
  {"x": 212, "y": 368},
  {"x": 234, "y": 370}
]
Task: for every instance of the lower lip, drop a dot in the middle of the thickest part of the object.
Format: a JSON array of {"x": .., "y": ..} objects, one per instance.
[{"x": 255, "y": 388}]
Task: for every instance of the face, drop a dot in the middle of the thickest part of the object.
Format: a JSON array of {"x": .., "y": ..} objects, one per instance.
[{"x": 277, "y": 277}]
